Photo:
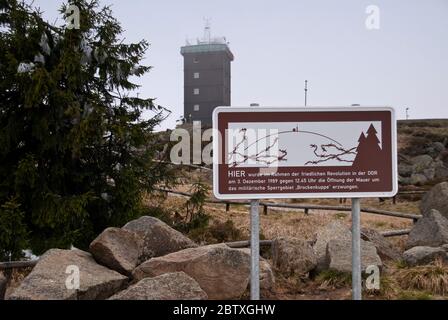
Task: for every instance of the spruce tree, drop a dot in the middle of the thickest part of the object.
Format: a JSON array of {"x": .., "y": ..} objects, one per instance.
[
  {"x": 76, "y": 155},
  {"x": 372, "y": 139},
  {"x": 369, "y": 154}
]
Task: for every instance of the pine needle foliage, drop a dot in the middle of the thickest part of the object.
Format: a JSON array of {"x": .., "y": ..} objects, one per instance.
[{"x": 76, "y": 142}]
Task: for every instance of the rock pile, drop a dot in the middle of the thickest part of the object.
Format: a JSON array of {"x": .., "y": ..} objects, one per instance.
[
  {"x": 339, "y": 256},
  {"x": 223, "y": 273},
  {"x": 117, "y": 249},
  {"x": 428, "y": 239},
  {"x": 168, "y": 286},
  {"x": 159, "y": 238},
  {"x": 293, "y": 256},
  {"x": 385, "y": 249},
  {"x": 424, "y": 168},
  {"x": 331, "y": 250},
  {"x": 55, "y": 278},
  {"x": 146, "y": 259}
]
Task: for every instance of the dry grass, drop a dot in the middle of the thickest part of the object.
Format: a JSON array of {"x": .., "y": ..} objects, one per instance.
[
  {"x": 294, "y": 223},
  {"x": 414, "y": 295},
  {"x": 429, "y": 278},
  {"x": 331, "y": 279},
  {"x": 421, "y": 131},
  {"x": 389, "y": 289},
  {"x": 284, "y": 222},
  {"x": 299, "y": 288}
]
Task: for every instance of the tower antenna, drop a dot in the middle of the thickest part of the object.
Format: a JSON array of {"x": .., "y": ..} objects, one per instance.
[
  {"x": 306, "y": 91},
  {"x": 207, "y": 30}
]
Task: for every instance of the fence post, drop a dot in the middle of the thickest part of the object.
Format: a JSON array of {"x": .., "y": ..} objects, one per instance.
[
  {"x": 356, "y": 250},
  {"x": 254, "y": 250}
]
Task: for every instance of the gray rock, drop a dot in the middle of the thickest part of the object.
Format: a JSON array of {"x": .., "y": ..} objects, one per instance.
[
  {"x": 405, "y": 181},
  {"x": 424, "y": 255},
  {"x": 223, "y": 273},
  {"x": 429, "y": 231},
  {"x": 50, "y": 277},
  {"x": 429, "y": 173},
  {"x": 436, "y": 198},
  {"x": 169, "y": 286},
  {"x": 385, "y": 249},
  {"x": 117, "y": 249},
  {"x": 438, "y": 146},
  {"x": 3, "y": 283},
  {"x": 293, "y": 256},
  {"x": 441, "y": 171},
  {"x": 421, "y": 163},
  {"x": 159, "y": 238},
  {"x": 339, "y": 256},
  {"x": 418, "y": 179},
  {"x": 431, "y": 151},
  {"x": 267, "y": 278},
  {"x": 335, "y": 230},
  {"x": 405, "y": 170},
  {"x": 444, "y": 157}
]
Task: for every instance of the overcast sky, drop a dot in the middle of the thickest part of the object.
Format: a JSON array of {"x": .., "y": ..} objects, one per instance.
[{"x": 278, "y": 44}]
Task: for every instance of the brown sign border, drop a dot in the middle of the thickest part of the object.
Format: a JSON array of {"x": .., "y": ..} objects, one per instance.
[{"x": 223, "y": 115}]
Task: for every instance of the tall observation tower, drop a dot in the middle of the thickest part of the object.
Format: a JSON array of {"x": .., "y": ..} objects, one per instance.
[{"x": 206, "y": 77}]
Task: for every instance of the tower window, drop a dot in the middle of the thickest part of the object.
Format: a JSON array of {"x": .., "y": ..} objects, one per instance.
[
  {"x": 195, "y": 60},
  {"x": 196, "y": 75},
  {"x": 196, "y": 107},
  {"x": 196, "y": 91}
]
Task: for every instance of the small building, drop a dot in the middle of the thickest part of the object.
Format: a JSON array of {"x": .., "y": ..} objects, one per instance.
[{"x": 207, "y": 77}]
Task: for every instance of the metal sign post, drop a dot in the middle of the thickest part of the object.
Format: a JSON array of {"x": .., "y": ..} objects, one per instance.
[
  {"x": 255, "y": 250},
  {"x": 356, "y": 250}
]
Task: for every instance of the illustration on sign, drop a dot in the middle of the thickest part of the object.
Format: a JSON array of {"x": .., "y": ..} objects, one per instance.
[
  {"x": 338, "y": 150},
  {"x": 313, "y": 152}
]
